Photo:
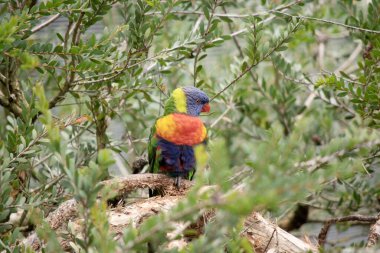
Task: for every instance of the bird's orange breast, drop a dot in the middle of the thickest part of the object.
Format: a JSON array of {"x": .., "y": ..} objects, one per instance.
[{"x": 181, "y": 129}]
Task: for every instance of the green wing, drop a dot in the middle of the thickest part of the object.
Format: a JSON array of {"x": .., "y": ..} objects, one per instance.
[
  {"x": 153, "y": 142},
  {"x": 152, "y": 151},
  {"x": 169, "y": 106}
]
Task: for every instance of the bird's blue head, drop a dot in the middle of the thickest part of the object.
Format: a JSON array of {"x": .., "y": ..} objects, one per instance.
[{"x": 191, "y": 100}]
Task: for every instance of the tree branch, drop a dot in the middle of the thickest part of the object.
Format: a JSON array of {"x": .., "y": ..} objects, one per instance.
[
  {"x": 69, "y": 80},
  {"x": 326, "y": 226},
  {"x": 226, "y": 15},
  {"x": 327, "y": 22},
  {"x": 12, "y": 107},
  {"x": 317, "y": 162},
  {"x": 202, "y": 44},
  {"x": 248, "y": 69},
  {"x": 114, "y": 74},
  {"x": 46, "y": 23}
]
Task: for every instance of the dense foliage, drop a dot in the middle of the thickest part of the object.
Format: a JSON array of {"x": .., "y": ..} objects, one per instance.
[{"x": 294, "y": 120}]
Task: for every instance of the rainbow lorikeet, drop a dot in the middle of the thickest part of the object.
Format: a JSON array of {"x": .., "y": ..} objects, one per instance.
[{"x": 177, "y": 133}]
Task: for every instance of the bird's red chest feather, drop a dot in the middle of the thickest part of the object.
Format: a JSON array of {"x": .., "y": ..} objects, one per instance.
[{"x": 181, "y": 129}]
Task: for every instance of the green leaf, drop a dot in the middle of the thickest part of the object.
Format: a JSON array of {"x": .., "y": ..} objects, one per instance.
[
  {"x": 105, "y": 157},
  {"x": 282, "y": 48}
]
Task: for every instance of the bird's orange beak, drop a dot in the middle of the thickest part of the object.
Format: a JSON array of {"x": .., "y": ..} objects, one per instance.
[{"x": 206, "y": 108}]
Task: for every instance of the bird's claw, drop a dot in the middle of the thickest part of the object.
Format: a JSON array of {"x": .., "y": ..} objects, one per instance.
[{"x": 177, "y": 182}]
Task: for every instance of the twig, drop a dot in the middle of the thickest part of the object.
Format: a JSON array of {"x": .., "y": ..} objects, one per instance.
[
  {"x": 317, "y": 162},
  {"x": 279, "y": 9},
  {"x": 29, "y": 146},
  {"x": 114, "y": 74},
  {"x": 241, "y": 54},
  {"x": 12, "y": 107},
  {"x": 351, "y": 59},
  {"x": 46, "y": 23},
  {"x": 199, "y": 13},
  {"x": 202, "y": 44},
  {"x": 70, "y": 78},
  {"x": 62, "y": 124},
  {"x": 324, "y": 99},
  {"x": 196, "y": 25},
  {"x": 326, "y": 226},
  {"x": 326, "y": 21},
  {"x": 226, "y": 15},
  {"x": 256, "y": 63},
  {"x": 221, "y": 116},
  {"x": 3, "y": 78}
]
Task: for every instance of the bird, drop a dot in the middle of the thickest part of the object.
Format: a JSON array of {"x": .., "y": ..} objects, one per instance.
[{"x": 177, "y": 134}]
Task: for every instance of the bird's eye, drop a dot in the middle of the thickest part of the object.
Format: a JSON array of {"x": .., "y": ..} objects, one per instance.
[{"x": 198, "y": 101}]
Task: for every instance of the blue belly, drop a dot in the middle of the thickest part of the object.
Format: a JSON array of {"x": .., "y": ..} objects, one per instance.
[{"x": 176, "y": 160}]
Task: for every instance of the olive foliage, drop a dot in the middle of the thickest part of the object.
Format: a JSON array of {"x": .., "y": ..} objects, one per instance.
[{"x": 294, "y": 119}]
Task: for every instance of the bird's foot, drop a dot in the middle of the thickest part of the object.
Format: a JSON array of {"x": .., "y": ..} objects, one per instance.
[{"x": 177, "y": 182}]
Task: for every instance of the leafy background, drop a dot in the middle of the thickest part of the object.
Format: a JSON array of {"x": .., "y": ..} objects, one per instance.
[{"x": 294, "y": 120}]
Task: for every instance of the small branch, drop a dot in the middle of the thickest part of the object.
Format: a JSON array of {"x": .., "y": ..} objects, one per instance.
[
  {"x": 3, "y": 78},
  {"x": 46, "y": 23},
  {"x": 351, "y": 59},
  {"x": 62, "y": 124},
  {"x": 30, "y": 145},
  {"x": 70, "y": 78},
  {"x": 248, "y": 69},
  {"x": 326, "y": 226},
  {"x": 221, "y": 116},
  {"x": 324, "y": 99},
  {"x": 201, "y": 45},
  {"x": 199, "y": 13},
  {"x": 226, "y": 15},
  {"x": 12, "y": 107},
  {"x": 327, "y": 22},
  {"x": 317, "y": 162},
  {"x": 114, "y": 74},
  {"x": 241, "y": 54},
  {"x": 279, "y": 9}
]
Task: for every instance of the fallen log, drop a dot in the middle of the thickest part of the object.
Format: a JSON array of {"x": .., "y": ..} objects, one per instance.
[
  {"x": 266, "y": 236},
  {"x": 261, "y": 233},
  {"x": 121, "y": 186}
]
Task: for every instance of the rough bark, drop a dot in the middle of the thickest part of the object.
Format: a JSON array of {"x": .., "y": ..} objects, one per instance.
[
  {"x": 374, "y": 234},
  {"x": 124, "y": 185},
  {"x": 11, "y": 95},
  {"x": 261, "y": 233},
  {"x": 266, "y": 236},
  {"x": 56, "y": 219},
  {"x": 120, "y": 186},
  {"x": 350, "y": 218}
]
